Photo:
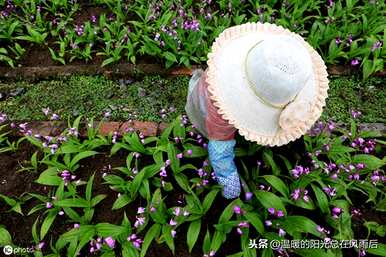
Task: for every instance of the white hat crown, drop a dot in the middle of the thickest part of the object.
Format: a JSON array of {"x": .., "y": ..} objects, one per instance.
[{"x": 277, "y": 68}]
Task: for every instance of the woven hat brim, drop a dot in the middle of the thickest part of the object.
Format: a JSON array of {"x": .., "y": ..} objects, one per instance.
[{"x": 282, "y": 136}]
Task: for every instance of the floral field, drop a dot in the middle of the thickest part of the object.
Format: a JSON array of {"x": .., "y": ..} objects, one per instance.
[
  {"x": 81, "y": 192},
  {"x": 40, "y": 32},
  {"x": 130, "y": 195}
]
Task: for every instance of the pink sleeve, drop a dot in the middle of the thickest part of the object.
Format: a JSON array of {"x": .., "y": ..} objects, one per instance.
[{"x": 217, "y": 127}]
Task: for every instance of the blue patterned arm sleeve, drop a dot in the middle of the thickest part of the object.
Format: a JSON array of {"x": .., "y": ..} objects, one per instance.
[{"x": 221, "y": 157}]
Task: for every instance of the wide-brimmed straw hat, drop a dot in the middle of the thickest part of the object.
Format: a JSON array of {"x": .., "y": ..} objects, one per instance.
[{"x": 266, "y": 81}]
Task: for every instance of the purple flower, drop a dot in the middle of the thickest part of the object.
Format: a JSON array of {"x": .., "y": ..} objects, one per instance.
[
  {"x": 93, "y": 19},
  {"x": 271, "y": 211},
  {"x": 336, "y": 211},
  {"x": 338, "y": 40},
  {"x": 139, "y": 221},
  {"x": 41, "y": 245},
  {"x": 354, "y": 62},
  {"x": 46, "y": 111},
  {"x": 76, "y": 225},
  {"x": 330, "y": 3},
  {"x": 163, "y": 172},
  {"x": 355, "y": 114},
  {"x": 281, "y": 232},
  {"x": 355, "y": 212},
  {"x": 48, "y": 205},
  {"x": 237, "y": 209},
  {"x": 136, "y": 241},
  {"x": 360, "y": 166},
  {"x": 299, "y": 170},
  {"x": 279, "y": 214},
  {"x": 330, "y": 126},
  {"x": 79, "y": 29},
  {"x": 376, "y": 45},
  {"x": 61, "y": 213},
  {"x": 179, "y": 156},
  {"x": 54, "y": 116},
  {"x": 296, "y": 194},
  {"x": 173, "y": 232},
  {"x": 172, "y": 222},
  {"x": 354, "y": 176},
  {"x": 189, "y": 152},
  {"x": 177, "y": 211},
  {"x": 268, "y": 223},
  {"x": 375, "y": 177},
  {"x": 349, "y": 40},
  {"x": 140, "y": 210},
  {"x": 248, "y": 196},
  {"x": 110, "y": 242},
  {"x": 331, "y": 191},
  {"x": 3, "y": 117}
]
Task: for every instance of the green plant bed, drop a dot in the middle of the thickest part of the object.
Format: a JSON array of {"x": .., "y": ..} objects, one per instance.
[
  {"x": 144, "y": 99},
  {"x": 107, "y": 189}
]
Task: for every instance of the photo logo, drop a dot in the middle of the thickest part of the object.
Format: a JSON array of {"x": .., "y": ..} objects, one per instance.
[{"x": 7, "y": 250}]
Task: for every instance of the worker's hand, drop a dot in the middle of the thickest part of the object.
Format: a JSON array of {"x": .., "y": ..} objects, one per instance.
[{"x": 221, "y": 155}]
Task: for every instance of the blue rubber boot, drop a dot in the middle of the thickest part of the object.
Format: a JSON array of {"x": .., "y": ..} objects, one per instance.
[{"x": 221, "y": 157}]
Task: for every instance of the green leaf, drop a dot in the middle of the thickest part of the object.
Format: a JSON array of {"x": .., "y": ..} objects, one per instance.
[
  {"x": 152, "y": 233},
  {"x": 106, "y": 229},
  {"x": 300, "y": 224},
  {"x": 209, "y": 198},
  {"x": 197, "y": 151},
  {"x": 89, "y": 188},
  {"x": 268, "y": 200},
  {"x": 121, "y": 201},
  {"x": 321, "y": 198},
  {"x": 227, "y": 213},
  {"x": 183, "y": 182},
  {"x": 75, "y": 202},
  {"x": 379, "y": 250},
  {"x": 137, "y": 181},
  {"x": 193, "y": 232},
  {"x": 72, "y": 214},
  {"x": 49, "y": 177},
  {"x": 206, "y": 243},
  {"x": 170, "y": 57},
  {"x": 166, "y": 234},
  {"x": 5, "y": 237},
  {"x": 268, "y": 158},
  {"x": 97, "y": 199},
  {"x": 81, "y": 156},
  {"x": 174, "y": 162},
  {"x": 370, "y": 161},
  {"x": 217, "y": 240},
  {"x": 278, "y": 184},
  {"x": 47, "y": 223},
  {"x": 254, "y": 219}
]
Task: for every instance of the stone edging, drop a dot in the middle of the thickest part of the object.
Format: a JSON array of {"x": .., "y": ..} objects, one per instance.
[
  {"x": 124, "y": 70},
  {"x": 147, "y": 128}
]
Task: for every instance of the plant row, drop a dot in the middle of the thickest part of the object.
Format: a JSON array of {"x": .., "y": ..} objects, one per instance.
[
  {"x": 312, "y": 197},
  {"x": 350, "y": 32}
]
